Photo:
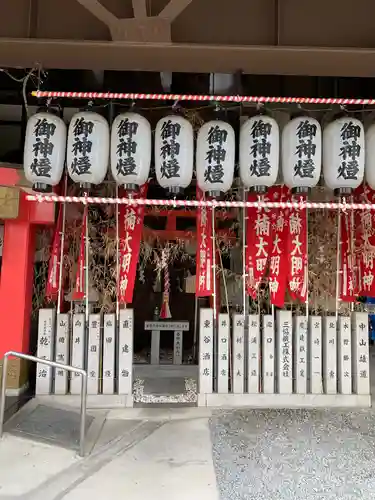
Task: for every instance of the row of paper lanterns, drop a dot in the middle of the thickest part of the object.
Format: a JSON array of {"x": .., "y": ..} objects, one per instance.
[{"x": 89, "y": 145}]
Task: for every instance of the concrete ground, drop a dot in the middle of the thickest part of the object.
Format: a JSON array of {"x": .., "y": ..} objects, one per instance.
[{"x": 194, "y": 453}]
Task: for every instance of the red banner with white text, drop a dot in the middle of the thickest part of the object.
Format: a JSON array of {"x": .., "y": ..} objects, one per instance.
[
  {"x": 203, "y": 277},
  {"x": 79, "y": 289},
  {"x": 278, "y": 257},
  {"x": 297, "y": 254},
  {"x": 53, "y": 283},
  {"x": 365, "y": 243},
  {"x": 130, "y": 222},
  {"x": 258, "y": 240}
]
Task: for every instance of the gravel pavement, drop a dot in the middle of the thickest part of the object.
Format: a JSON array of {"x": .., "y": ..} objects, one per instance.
[{"x": 294, "y": 454}]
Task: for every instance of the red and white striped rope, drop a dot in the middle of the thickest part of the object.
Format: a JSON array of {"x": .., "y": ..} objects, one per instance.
[
  {"x": 94, "y": 200},
  {"x": 192, "y": 97}
]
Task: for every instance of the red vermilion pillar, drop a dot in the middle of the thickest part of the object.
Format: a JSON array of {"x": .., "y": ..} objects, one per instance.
[{"x": 16, "y": 285}]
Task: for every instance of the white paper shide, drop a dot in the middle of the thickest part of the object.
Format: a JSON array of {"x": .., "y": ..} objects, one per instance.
[
  {"x": 174, "y": 153},
  {"x": 302, "y": 153},
  {"x": 215, "y": 157},
  {"x": 88, "y": 148},
  {"x": 344, "y": 154},
  {"x": 44, "y": 153},
  {"x": 130, "y": 150},
  {"x": 259, "y": 152}
]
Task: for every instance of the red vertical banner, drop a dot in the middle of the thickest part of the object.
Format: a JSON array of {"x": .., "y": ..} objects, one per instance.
[
  {"x": 53, "y": 282},
  {"x": 130, "y": 222},
  {"x": 365, "y": 244},
  {"x": 297, "y": 254},
  {"x": 278, "y": 257},
  {"x": 79, "y": 290},
  {"x": 204, "y": 277},
  {"x": 347, "y": 259},
  {"x": 258, "y": 240}
]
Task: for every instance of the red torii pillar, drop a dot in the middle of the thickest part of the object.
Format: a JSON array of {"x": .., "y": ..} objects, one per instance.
[{"x": 16, "y": 279}]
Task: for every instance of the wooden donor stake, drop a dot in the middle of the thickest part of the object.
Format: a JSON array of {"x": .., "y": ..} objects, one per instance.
[
  {"x": 206, "y": 351},
  {"x": 46, "y": 339},
  {"x": 62, "y": 353}
]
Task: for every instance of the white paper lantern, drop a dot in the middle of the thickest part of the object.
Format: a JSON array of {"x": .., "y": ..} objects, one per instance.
[
  {"x": 88, "y": 148},
  {"x": 343, "y": 154},
  {"x": 370, "y": 156},
  {"x": 130, "y": 150},
  {"x": 44, "y": 153},
  {"x": 174, "y": 153},
  {"x": 215, "y": 157},
  {"x": 259, "y": 152},
  {"x": 301, "y": 153}
]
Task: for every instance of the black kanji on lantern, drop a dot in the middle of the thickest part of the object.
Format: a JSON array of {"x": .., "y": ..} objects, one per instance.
[
  {"x": 127, "y": 147},
  {"x": 305, "y": 150},
  {"x": 43, "y": 148},
  {"x": 260, "y": 149},
  {"x": 170, "y": 150},
  {"x": 215, "y": 155},
  {"x": 82, "y": 146},
  {"x": 349, "y": 151}
]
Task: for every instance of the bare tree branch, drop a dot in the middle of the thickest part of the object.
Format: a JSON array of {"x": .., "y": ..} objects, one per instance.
[
  {"x": 139, "y": 9},
  {"x": 100, "y": 12},
  {"x": 174, "y": 9}
]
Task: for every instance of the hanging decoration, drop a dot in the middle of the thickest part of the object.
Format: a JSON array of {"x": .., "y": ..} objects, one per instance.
[
  {"x": 296, "y": 250},
  {"x": 130, "y": 150},
  {"x": 79, "y": 291},
  {"x": 53, "y": 280},
  {"x": 347, "y": 290},
  {"x": 343, "y": 155},
  {"x": 44, "y": 152},
  {"x": 277, "y": 276},
  {"x": 258, "y": 241},
  {"x": 259, "y": 153},
  {"x": 130, "y": 235},
  {"x": 88, "y": 148},
  {"x": 165, "y": 312},
  {"x": 174, "y": 153},
  {"x": 301, "y": 153},
  {"x": 204, "y": 254},
  {"x": 215, "y": 157}
]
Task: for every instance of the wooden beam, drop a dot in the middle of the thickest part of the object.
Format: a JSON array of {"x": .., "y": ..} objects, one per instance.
[
  {"x": 139, "y": 9},
  {"x": 186, "y": 58},
  {"x": 174, "y": 8}
]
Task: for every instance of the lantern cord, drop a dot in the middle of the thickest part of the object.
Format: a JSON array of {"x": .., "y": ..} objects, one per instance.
[
  {"x": 338, "y": 262},
  {"x": 94, "y": 200},
  {"x": 352, "y": 253},
  {"x": 214, "y": 323},
  {"x": 227, "y": 304},
  {"x": 244, "y": 296},
  {"x": 192, "y": 97},
  {"x": 62, "y": 243},
  {"x": 307, "y": 268},
  {"x": 86, "y": 265}
]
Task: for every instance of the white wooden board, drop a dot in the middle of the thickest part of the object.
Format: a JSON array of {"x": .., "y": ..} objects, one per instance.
[
  {"x": 77, "y": 351},
  {"x": 268, "y": 358},
  {"x": 223, "y": 353},
  {"x": 206, "y": 351},
  {"x": 62, "y": 353},
  {"x": 125, "y": 352},
  {"x": 361, "y": 361},
  {"x": 109, "y": 341},
  {"x": 253, "y": 354},
  {"x": 46, "y": 339},
  {"x": 330, "y": 355},
  {"x": 345, "y": 355},
  {"x": 238, "y": 354},
  {"x": 285, "y": 352},
  {"x": 300, "y": 354}
]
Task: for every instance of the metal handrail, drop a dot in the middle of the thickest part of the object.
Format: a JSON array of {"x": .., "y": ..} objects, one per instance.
[{"x": 60, "y": 366}]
